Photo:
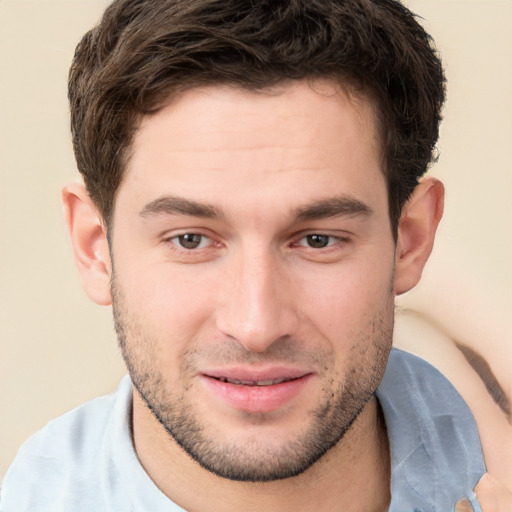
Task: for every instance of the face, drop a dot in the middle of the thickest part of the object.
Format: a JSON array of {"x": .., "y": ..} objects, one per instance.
[{"x": 252, "y": 273}]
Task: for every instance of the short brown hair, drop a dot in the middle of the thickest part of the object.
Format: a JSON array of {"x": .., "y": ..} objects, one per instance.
[{"x": 144, "y": 51}]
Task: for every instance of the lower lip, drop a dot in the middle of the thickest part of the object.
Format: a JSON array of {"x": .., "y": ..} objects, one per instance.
[{"x": 257, "y": 398}]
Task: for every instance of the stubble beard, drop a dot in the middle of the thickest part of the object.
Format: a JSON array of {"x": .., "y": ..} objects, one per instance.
[{"x": 256, "y": 460}]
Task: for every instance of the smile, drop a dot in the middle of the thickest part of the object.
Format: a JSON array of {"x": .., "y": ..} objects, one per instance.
[
  {"x": 252, "y": 382},
  {"x": 257, "y": 393}
]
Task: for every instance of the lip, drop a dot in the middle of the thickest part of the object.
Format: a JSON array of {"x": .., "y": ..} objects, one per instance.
[{"x": 252, "y": 397}]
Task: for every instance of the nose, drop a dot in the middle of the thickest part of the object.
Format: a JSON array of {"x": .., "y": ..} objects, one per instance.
[{"x": 257, "y": 302}]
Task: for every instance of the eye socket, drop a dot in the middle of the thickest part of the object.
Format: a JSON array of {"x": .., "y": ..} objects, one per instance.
[
  {"x": 191, "y": 241},
  {"x": 318, "y": 241}
]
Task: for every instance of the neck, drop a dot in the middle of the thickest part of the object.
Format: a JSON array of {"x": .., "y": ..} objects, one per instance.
[{"x": 353, "y": 476}]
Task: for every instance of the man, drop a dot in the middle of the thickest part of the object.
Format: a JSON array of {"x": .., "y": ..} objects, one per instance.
[{"x": 251, "y": 208}]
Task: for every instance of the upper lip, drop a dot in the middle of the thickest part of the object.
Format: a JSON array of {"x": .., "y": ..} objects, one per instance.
[{"x": 247, "y": 374}]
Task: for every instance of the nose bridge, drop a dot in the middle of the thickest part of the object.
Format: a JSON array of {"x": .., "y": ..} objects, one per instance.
[{"x": 256, "y": 308}]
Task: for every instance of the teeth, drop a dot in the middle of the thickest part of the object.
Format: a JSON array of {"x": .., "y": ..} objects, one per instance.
[
  {"x": 267, "y": 382},
  {"x": 252, "y": 382}
]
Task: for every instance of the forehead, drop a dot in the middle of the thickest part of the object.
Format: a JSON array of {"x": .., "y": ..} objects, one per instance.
[
  {"x": 204, "y": 112},
  {"x": 232, "y": 145}
]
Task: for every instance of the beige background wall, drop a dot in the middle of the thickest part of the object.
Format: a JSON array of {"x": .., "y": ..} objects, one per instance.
[{"x": 57, "y": 349}]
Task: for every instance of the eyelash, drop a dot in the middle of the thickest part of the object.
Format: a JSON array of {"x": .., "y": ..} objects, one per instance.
[
  {"x": 331, "y": 240},
  {"x": 177, "y": 241}
]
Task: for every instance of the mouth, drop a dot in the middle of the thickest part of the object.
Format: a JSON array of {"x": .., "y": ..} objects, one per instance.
[
  {"x": 253, "y": 391},
  {"x": 257, "y": 383}
]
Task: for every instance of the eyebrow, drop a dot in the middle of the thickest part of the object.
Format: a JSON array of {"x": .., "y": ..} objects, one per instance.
[
  {"x": 333, "y": 207},
  {"x": 324, "y": 208},
  {"x": 173, "y": 205}
]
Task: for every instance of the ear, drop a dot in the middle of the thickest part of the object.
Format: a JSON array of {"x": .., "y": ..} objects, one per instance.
[
  {"x": 89, "y": 241},
  {"x": 416, "y": 231}
]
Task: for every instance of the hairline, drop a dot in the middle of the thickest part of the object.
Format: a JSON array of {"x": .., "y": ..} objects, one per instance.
[{"x": 356, "y": 93}]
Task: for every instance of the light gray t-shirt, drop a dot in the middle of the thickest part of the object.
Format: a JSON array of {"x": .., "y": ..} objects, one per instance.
[{"x": 85, "y": 461}]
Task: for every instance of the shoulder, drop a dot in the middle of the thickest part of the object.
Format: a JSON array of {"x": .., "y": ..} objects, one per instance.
[
  {"x": 53, "y": 463},
  {"x": 436, "y": 455},
  {"x": 413, "y": 388},
  {"x": 479, "y": 389}
]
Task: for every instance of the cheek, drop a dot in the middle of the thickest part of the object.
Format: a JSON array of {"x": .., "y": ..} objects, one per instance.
[
  {"x": 344, "y": 302},
  {"x": 172, "y": 305}
]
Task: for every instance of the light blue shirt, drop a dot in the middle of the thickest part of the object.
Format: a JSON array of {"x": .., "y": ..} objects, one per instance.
[{"x": 85, "y": 461}]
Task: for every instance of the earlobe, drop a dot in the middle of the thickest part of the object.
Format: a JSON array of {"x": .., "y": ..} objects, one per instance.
[
  {"x": 89, "y": 242},
  {"x": 416, "y": 232}
]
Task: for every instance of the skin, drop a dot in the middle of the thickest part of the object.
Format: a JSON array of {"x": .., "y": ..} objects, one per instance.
[
  {"x": 256, "y": 294},
  {"x": 441, "y": 351}
]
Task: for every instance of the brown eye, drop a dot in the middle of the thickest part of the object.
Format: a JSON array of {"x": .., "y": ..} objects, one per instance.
[
  {"x": 190, "y": 240},
  {"x": 318, "y": 241}
]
